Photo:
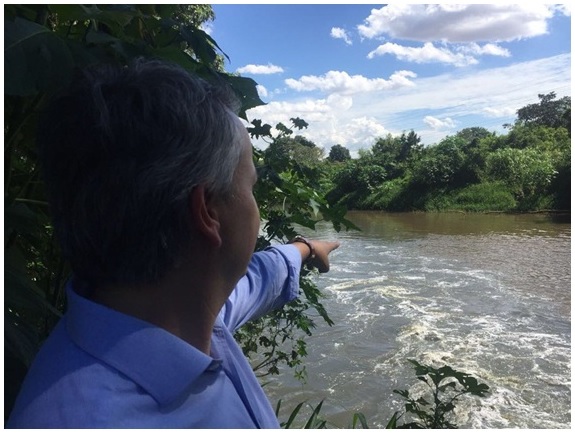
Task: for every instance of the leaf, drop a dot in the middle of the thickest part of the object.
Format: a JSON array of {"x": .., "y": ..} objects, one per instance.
[
  {"x": 247, "y": 92},
  {"x": 313, "y": 417},
  {"x": 35, "y": 59},
  {"x": 20, "y": 292},
  {"x": 18, "y": 31},
  {"x": 315, "y": 206},
  {"x": 259, "y": 130},
  {"x": 20, "y": 339},
  {"x": 95, "y": 37},
  {"x": 293, "y": 415},
  {"x": 18, "y": 218},
  {"x": 200, "y": 43},
  {"x": 403, "y": 392},
  {"x": 361, "y": 418},
  {"x": 392, "y": 424},
  {"x": 299, "y": 123},
  {"x": 116, "y": 17}
]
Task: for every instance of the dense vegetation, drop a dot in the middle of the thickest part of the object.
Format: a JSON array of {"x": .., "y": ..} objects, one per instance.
[{"x": 526, "y": 169}]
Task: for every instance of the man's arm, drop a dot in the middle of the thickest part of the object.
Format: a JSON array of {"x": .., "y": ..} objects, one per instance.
[
  {"x": 315, "y": 252},
  {"x": 272, "y": 280}
]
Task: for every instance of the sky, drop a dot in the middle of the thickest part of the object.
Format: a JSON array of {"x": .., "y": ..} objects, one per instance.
[{"x": 358, "y": 72}]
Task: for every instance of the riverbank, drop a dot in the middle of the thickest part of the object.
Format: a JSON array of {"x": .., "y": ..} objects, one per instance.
[{"x": 489, "y": 197}]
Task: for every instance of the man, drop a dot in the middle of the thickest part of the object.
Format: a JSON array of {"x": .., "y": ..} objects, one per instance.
[{"x": 150, "y": 177}]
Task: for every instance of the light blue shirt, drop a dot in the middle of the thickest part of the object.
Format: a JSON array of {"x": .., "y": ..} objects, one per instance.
[{"x": 103, "y": 369}]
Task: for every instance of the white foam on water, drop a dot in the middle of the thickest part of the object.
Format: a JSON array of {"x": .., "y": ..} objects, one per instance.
[
  {"x": 412, "y": 277},
  {"x": 349, "y": 284}
]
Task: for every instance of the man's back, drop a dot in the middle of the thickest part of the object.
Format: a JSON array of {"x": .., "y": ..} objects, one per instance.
[{"x": 101, "y": 368}]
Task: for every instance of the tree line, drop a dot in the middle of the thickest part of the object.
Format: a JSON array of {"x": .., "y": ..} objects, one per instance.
[{"x": 526, "y": 169}]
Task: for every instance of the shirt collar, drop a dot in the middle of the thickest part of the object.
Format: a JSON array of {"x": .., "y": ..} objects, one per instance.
[{"x": 161, "y": 363}]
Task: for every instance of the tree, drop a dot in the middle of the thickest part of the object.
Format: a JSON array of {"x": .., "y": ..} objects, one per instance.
[
  {"x": 441, "y": 164},
  {"x": 548, "y": 112},
  {"x": 409, "y": 144},
  {"x": 338, "y": 153},
  {"x": 395, "y": 154},
  {"x": 528, "y": 172},
  {"x": 473, "y": 136},
  {"x": 299, "y": 149}
]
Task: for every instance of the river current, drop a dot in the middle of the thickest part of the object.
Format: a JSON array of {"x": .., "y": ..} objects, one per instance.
[{"x": 488, "y": 295}]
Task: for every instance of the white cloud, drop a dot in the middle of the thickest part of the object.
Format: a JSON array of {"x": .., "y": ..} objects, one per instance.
[
  {"x": 339, "y": 33},
  {"x": 459, "y": 23},
  {"x": 486, "y": 98},
  {"x": 312, "y": 111},
  {"x": 355, "y": 133},
  {"x": 330, "y": 118},
  {"x": 429, "y": 53},
  {"x": 262, "y": 91},
  {"x": 499, "y": 111},
  {"x": 435, "y": 123},
  {"x": 260, "y": 69},
  {"x": 345, "y": 84},
  {"x": 487, "y": 49},
  {"x": 426, "y": 54},
  {"x": 564, "y": 9}
]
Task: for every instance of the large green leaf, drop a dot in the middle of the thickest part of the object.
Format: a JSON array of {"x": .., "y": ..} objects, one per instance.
[
  {"x": 35, "y": 59},
  {"x": 247, "y": 91},
  {"x": 115, "y": 17}
]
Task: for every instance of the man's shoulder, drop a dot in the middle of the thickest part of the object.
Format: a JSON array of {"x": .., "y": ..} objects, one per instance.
[{"x": 59, "y": 384}]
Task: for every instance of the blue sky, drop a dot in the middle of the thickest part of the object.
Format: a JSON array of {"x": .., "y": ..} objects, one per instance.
[{"x": 358, "y": 72}]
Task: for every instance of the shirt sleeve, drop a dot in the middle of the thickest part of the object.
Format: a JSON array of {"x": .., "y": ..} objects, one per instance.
[{"x": 271, "y": 281}]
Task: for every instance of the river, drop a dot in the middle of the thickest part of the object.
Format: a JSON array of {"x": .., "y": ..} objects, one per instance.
[{"x": 489, "y": 295}]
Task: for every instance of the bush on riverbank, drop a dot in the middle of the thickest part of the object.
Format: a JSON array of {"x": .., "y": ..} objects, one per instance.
[{"x": 398, "y": 195}]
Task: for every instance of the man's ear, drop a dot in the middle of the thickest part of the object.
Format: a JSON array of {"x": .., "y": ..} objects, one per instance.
[{"x": 205, "y": 216}]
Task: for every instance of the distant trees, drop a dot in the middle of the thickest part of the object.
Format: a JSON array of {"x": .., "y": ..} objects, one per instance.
[
  {"x": 548, "y": 112},
  {"x": 441, "y": 165},
  {"x": 528, "y": 168},
  {"x": 393, "y": 153},
  {"x": 338, "y": 153},
  {"x": 298, "y": 148}
]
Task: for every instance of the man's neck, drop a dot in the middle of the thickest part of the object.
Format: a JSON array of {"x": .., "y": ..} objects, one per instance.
[{"x": 182, "y": 305}]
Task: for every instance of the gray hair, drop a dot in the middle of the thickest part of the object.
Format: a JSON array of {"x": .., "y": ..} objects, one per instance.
[{"x": 121, "y": 151}]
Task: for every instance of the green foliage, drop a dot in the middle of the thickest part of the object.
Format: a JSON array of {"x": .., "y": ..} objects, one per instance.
[
  {"x": 431, "y": 409},
  {"x": 355, "y": 179},
  {"x": 445, "y": 386},
  {"x": 284, "y": 150},
  {"x": 543, "y": 138},
  {"x": 388, "y": 195},
  {"x": 483, "y": 197},
  {"x": 338, "y": 153},
  {"x": 441, "y": 164},
  {"x": 475, "y": 170},
  {"x": 288, "y": 195},
  {"x": 313, "y": 421},
  {"x": 528, "y": 172},
  {"x": 393, "y": 153},
  {"x": 549, "y": 111}
]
